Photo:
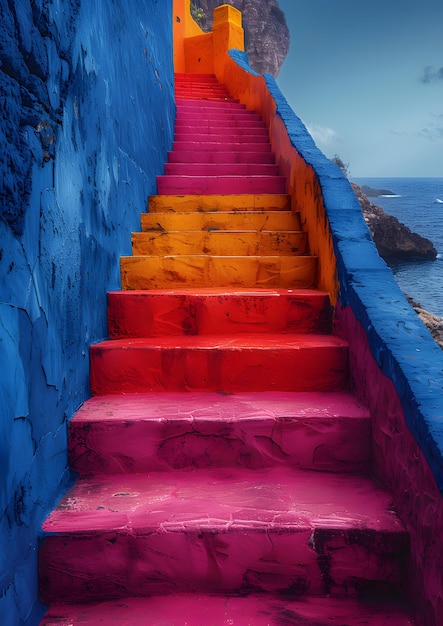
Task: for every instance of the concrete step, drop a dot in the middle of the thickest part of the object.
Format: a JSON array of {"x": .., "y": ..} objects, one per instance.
[
  {"x": 248, "y": 362},
  {"x": 197, "y": 106},
  {"x": 222, "y": 530},
  {"x": 226, "y": 146},
  {"x": 220, "y": 156},
  {"x": 218, "y": 610},
  {"x": 221, "y": 220},
  {"x": 222, "y": 243},
  {"x": 228, "y": 203},
  {"x": 142, "y": 433},
  {"x": 250, "y": 136},
  {"x": 158, "y": 313},
  {"x": 213, "y": 115},
  {"x": 221, "y": 169},
  {"x": 187, "y": 122},
  {"x": 201, "y": 91},
  {"x": 195, "y": 271},
  {"x": 220, "y": 184}
]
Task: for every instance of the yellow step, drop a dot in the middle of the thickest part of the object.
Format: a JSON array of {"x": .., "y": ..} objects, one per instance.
[
  {"x": 221, "y": 243},
  {"x": 234, "y": 202},
  {"x": 159, "y": 272},
  {"x": 251, "y": 220}
]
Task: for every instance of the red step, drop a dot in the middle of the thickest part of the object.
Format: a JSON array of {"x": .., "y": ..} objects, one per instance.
[
  {"x": 223, "y": 530},
  {"x": 142, "y": 433},
  {"x": 218, "y": 185},
  {"x": 252, "y": 362},
  {"x": 215, "y": 311},
  {"x": 205, "y": 106},
  {"x": 214, "y": 610}
]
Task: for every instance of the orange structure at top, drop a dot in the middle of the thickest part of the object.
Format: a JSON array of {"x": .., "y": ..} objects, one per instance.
[{"x": 197, "y": 52}]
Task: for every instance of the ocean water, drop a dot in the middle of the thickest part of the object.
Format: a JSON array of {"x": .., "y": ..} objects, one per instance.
[{"x": 418, "y": 203}]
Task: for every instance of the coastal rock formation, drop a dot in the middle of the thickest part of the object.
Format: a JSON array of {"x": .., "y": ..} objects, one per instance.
[
  {"x": 266, "y": 31},
  {"x": 393, "y": 239},
  {"x": 432, "y": 322}
]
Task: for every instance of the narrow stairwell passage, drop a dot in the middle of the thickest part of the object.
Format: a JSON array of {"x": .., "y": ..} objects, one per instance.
[{"x": 223, "y": 464}]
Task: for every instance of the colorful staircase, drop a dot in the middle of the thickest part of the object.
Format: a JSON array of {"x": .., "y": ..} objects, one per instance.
[{"x": 223, "y": 464}]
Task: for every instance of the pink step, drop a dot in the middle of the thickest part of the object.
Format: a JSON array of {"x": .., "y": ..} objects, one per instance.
[
  {"x": 228, "y": 136},
  {"x": 210, "y": 156},
  {"x": 220, "y": 184},
  {"x": 237, "y": 116},
  {"x": 221, "y": 530},
  {"x": 142, "y": 433},
  {"x": 216, "y": 311},
  {"x": 215, "y": 610},
  {"x": 225, "y": 146},
  {"x": 252, "y": 362},
  {"x": 221, "y": 169},
  {"x": 209, "y": 124}
]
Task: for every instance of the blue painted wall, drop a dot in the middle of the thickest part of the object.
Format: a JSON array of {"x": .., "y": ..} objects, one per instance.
[{"x": 87, "y": 113}]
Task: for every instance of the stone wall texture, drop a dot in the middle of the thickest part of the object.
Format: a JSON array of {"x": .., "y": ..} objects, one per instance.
[
  {"x": 87, "y": 113},
  {"x": 266, "y": 32}
]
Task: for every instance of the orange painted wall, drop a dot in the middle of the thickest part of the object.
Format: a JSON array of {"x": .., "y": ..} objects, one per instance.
[{"x": 199, "y": 53}]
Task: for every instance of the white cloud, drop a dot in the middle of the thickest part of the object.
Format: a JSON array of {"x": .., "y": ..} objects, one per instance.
[{"x": 322, "y": 135}]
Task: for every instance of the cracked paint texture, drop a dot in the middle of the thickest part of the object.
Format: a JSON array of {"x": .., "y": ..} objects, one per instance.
[{"x": 81, "y": 157}]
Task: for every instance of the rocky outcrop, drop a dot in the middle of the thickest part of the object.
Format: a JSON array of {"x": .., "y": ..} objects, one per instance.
[
  {"x": 375, "y": 193},
  {"x": 394, "y": 240},
  {"x": 431, "y": 321},
  {"x": 266, "y": 31}
]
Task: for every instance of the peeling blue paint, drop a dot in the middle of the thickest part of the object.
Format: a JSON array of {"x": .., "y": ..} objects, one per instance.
[{"x": 87, "y": 108}]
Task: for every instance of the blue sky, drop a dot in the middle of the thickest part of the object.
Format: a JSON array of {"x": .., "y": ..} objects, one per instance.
[{"x": 367, "y": 80}]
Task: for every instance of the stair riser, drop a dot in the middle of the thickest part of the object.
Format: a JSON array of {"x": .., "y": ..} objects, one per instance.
[
  {"x": 196, "y": 106},
  {"x": 230, "y": 205},
  {"x": 222, "y": 169},
  {"x": 242, "y": 220},
  {"x": 147, "y": 314},
  {"x": 206, "y": 156},
  {"x": 237, "y": 116},
  {"x": 219, "y": 243},
  {"x": 115, "y": 565},
  {"x": 127, "y": 369},
  {"x": 202, "y": 94},
  {"x": 187, "y": 123},
  {"x": 225, "y": 146},
  {"x": 220, "y": 185},
  {"x": 206, "y": 271},
  {"x": 167, "y": 444},
  {"x": 227, "y": 137}
]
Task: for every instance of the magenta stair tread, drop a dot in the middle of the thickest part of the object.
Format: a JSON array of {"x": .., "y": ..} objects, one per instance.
[
  {"x": 225, "y": 500},
  {"x": 205, "y": 407},
  {"x": 164, "y": 432},
  {"x": 211, "y": 610},
  {"x": 208, "y": 156},
  {"x": 221, "y": 530}
]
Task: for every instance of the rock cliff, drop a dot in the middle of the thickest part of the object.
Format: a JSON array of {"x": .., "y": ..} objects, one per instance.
[
  {"x": 266, "y": 31},
  {"x": 393, "y": 239}
]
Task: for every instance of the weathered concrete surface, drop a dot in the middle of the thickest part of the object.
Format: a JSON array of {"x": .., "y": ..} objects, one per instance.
[{"x": 80, "y": 155}]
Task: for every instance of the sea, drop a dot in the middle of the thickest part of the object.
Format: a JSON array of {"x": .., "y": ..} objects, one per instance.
[{"x": 417, "y": 203}]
